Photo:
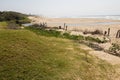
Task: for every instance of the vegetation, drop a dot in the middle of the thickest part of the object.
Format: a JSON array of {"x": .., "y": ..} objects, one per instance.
[
  {"x": 115, "y": 49},
  {"x": 48, "y": 33},
  {"x": 98, "y": 32},
  {"x": 25, "y": 55},
  {"x": 13, "y": 18},
  {"x": 54, "y": 33},
  {"x": 39, "y": 54},
  {"x": 88, "y": 38}
]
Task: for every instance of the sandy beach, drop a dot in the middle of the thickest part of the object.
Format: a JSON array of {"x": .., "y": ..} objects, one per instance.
[{"x": 81, "y": 24}]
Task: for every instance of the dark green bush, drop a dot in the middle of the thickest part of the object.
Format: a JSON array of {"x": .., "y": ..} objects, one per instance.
[{"x": 18, "y": 18}]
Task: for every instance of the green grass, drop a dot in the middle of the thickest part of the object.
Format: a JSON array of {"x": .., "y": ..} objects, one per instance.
[
  {"x": 54, "y": 33},
  {"x": 25, "y": 55},
  {"x": 3, "y": 25},
  {"x": 88, "y": 38}
]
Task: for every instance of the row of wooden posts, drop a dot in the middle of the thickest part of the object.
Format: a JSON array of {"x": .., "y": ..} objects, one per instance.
[{"x": 106, "y": 33}]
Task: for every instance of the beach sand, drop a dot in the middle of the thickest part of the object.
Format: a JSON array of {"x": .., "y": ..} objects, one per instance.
[
  {"x": 87, "y": 24},
  {"x": 78, "y": 30}
]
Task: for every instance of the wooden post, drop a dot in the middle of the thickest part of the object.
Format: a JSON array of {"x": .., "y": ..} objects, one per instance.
[
  {"x": 64, "y": 25},
  {"x": 108, "y": 31},
  {"x": 118, "y": 34},
  {"x": 66, "y": 28},
  {"x": 105, "y": 33}
]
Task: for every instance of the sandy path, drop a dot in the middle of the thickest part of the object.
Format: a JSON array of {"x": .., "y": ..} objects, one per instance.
[
  {"x": 107, "y": 57},
  {"x": 114, "y": 60}
]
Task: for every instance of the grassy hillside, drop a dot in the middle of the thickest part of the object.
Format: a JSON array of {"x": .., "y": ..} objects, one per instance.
[{"x": 25, "y": 55}]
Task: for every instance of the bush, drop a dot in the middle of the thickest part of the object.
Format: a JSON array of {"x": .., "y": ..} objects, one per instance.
[
  {"x": 18, "y": 18},
  {"x": 97, "y": 32},
  {"x": 88, "y": 38},
  {"x": 93, "y": 32},
  {"x": 115, "y": 49},
  {"x": 86, "y": 32},
  {"x": 13, "y": 25}
]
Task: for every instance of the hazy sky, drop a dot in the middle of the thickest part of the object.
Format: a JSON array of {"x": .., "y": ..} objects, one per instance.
[{"x": 63, "y": 7}]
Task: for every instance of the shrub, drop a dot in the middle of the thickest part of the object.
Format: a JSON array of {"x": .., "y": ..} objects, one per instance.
[
  {"x": 86, "y": 32},
  {"x": 115, "y": 49},
  {"x": 13, "y": 25},
  {"x": 97, "y": 32},
  {"x": 18, "y": 18},
  {"x": 88, "y": 38},
  {"x": 93, "y": 32}
]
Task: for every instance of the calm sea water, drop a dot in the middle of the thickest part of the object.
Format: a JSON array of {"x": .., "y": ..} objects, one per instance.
[
  {"x": 110, "y": 17},
  {"x": 113, "y": 17}
]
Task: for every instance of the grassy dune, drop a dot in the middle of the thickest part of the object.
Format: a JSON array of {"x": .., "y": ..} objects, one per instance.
[{"x": 25, "y": 55}]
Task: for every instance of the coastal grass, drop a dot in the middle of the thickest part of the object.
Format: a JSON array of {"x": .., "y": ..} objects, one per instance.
[
  {"x": 58, "y": 34},
  {"x": 25, "y": 55}
]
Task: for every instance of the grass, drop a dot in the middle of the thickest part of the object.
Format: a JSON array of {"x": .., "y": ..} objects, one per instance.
[
  {"x": 3, "y": 25},
  {"x": 47, "y": 33},
  {"x": 25, "y": 55},
  {"x": 54, "y": 33},
  {"x": 88, "y": 38}
]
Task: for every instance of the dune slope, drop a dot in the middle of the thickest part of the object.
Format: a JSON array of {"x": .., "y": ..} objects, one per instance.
[{"x": 25, "y": 55}]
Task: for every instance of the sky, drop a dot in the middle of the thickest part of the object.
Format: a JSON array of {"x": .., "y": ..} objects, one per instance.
[{"x": 61, "y": 8}]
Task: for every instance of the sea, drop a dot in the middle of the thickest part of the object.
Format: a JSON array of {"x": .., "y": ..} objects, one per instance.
[
  {"x": 109, "y": 17},
  {"x": 112, "y": 17}
]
